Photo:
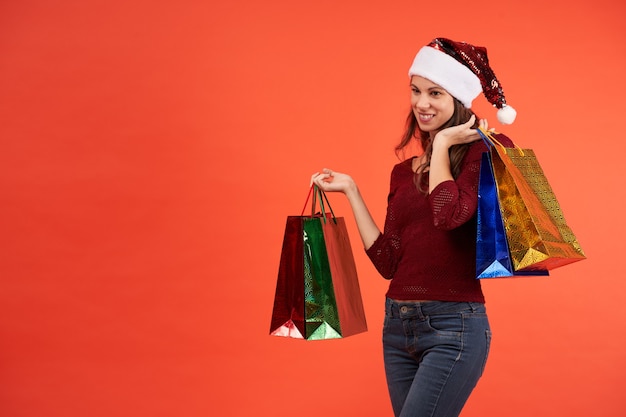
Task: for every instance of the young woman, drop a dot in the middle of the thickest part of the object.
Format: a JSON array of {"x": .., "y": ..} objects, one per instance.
[{"x": 436, "y": 335}]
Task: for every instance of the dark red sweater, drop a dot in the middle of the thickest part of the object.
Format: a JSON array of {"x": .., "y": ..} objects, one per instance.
[{"x": 428, "y": 245}]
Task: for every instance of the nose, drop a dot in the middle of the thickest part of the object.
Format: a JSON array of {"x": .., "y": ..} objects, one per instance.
[{"x": 422, "y": 101}]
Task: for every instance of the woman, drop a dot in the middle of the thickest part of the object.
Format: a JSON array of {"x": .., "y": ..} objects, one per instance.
[{"x": 436, "y": 335}]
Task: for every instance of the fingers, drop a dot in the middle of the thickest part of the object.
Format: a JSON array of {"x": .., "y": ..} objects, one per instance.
[
  {"x": 485, "y": 126},
  {"x": 313, "y": 178},
  {"x": 319, "y": 177}
]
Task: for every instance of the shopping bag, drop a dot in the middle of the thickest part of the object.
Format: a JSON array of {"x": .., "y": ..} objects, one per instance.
[
  {"x": 493, "y": 259},
  {"x": 317, "y": 292},
  {"x": 538, "y": 237}
]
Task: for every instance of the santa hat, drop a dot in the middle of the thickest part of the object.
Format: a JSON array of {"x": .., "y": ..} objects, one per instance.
[{"x": 463, "y": 71}]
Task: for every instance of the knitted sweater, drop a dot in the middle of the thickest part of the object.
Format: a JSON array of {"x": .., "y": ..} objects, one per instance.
[{"x": 428, "y": 245}]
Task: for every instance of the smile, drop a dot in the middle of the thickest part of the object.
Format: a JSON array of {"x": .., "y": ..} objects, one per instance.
[{"x": 426, "y": 117}]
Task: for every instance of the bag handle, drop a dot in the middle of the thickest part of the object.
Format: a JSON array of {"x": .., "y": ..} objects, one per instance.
[
  {"x": 490, "y": 140},
  {"x": 318, "y": 193}
]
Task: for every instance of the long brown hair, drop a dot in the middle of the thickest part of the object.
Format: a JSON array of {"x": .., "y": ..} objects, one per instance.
[{"x": 457, "y": 152}]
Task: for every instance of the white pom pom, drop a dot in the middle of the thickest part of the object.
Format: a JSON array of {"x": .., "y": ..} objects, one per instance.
[{"x": 506, "y": 115}]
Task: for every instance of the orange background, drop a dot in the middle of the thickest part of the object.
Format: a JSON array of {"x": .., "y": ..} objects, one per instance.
[{"x": 151, "y": 151}]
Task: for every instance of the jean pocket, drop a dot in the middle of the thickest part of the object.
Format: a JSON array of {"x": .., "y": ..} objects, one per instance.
[{"x": 446, "y": 325}]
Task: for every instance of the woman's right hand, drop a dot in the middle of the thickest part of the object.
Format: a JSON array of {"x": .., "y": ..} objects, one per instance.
[
  {"x": 332, "y": 181},
  {"x": 329, "y": 181}
]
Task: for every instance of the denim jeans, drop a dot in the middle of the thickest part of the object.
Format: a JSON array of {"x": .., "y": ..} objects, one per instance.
[{"x": 434, "y": 353}]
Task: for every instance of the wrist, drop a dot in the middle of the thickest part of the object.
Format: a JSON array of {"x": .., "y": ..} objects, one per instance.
[
  {"x": 351, "y": 190},
  {"x": 440, "y": 143}
]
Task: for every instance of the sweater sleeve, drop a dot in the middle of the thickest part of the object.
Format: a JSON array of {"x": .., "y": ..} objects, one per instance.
[
  {"x": 384, "y": 251},
  {"x": 382, "y": 255},
  {"x": 453, "y": 203}
]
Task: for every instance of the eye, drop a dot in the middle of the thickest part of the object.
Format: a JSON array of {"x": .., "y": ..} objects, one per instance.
[
  {"x": 415, "y": 90},
  {"x": 435, "y": 93}
]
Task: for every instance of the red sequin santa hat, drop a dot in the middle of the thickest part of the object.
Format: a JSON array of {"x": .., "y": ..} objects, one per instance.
[{"x": 463, "y": 71}]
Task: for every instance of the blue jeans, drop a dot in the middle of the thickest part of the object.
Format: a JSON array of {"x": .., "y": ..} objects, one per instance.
[{"x": 434, "y": 353}]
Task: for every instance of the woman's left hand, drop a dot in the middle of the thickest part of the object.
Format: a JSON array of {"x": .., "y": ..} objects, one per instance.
[
  {"x": 460, "y": 134},
  {"x": 440, "y": 170}
]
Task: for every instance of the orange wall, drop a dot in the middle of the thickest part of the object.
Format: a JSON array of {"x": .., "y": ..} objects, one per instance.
[{"x": 151, "y": 151}]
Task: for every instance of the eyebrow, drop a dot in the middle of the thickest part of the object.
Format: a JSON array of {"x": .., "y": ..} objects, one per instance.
[{"x": 429, "y": 88}]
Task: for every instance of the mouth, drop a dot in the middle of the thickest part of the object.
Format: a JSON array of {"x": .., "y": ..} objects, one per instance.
[{"x": 425, "y": 117}]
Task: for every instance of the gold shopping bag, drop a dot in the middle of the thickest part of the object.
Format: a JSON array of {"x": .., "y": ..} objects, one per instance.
[{"x": 537, "y": 234}]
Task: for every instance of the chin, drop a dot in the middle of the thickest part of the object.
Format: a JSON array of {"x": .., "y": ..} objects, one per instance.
[{"x": 427, "y": 129}]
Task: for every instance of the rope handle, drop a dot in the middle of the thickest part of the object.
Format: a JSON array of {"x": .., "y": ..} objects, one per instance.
[
  {"x": 318, "y": 194},
  {"x": 490, "y": 140}
]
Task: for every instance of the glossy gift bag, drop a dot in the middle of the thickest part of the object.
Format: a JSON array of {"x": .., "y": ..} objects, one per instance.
[
  {"x": 493, "y": 259},
  {"x": 317, "y": 292},
  {"x": 537, "y": 235}
]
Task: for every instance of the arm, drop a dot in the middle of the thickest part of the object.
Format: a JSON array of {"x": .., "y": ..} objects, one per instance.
[
  {"x": 330, "y": 181},
  {"x": 453, "y": 201},
  {"x": 440, "y": 159}
]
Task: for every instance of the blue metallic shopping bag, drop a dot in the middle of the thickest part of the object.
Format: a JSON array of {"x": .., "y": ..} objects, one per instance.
[{"x": 492, "y": 250}]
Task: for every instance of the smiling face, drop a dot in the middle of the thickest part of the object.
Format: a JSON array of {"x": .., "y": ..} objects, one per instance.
[{"x": 432, "y": 105}]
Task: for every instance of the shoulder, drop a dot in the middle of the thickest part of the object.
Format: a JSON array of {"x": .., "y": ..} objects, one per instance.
[
  {"x": 480, "y": 146},
  {"x": 401, "y": 172},
  {"x": 477, "y": 148},
  {"x": 404, "y": 166},
  {"x": 505, "y": 140}
]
